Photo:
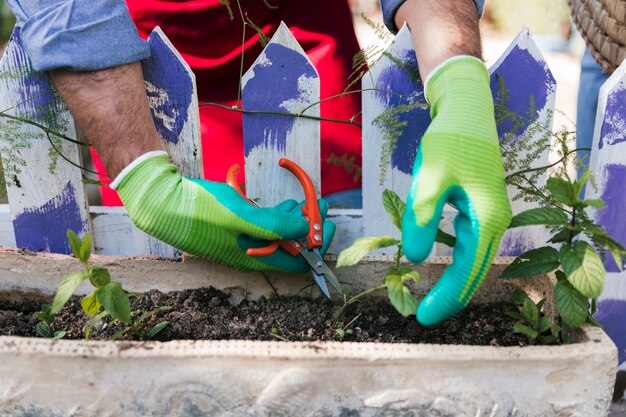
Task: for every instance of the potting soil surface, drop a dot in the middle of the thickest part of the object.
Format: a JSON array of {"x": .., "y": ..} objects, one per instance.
[{"x": 210, "y": 314}]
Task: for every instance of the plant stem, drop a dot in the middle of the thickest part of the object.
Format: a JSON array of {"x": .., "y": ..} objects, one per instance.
[
  {"x": 525, "y": 171},
  {"x": 359, "y": 296},
  {"x": 42, "y": 127},
  {"x": 278, "y": 113}
]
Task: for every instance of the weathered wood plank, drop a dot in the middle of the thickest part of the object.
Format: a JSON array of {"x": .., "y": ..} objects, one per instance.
[
  {"x": 282, "y": 79},
  {"x": 45, "y": 191},
  {"x": 173, "y": 98},
  {"x": 524, "y": 93},
  {"x": 608, "y": 164},
  {"x": 392, "y": 83}
]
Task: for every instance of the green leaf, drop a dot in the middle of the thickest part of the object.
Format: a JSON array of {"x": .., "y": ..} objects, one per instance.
[
  {"x": 583, "y": 267},
  {"x": 90, "y": 304},
  {"x": 534, "y": 262},
  {"x": 530, "y": 312},
  {"x": 563, "y": 235},
  {"x": 544, "y": 324},
  {"x": 43, "y": 330},
  {"x": 519, "y": 296},
  {"x": 157, "y": 329},
  {"x": 514, "y": 315},
  {"x": 66, "y": 289},
  {"x": 85, "y": 248},
  {"x": 573, "y": 307},
  {"x": 399, "y": 295},
  {"x": 99, "y": 276},
  {"x": 523, "y": 329},
  {"x": 59, "y": 334},
  {"x": 541, "y": 215},
  {"x": 445, "y": 238},
  {"x": 595, "y": 203},
  {"x": 549, "y": 340},
  {"x": 361, "y": 247},
  {"x": 45, "y": 314},
  {"x": 75, "y": 242},
  {"x": 562, "y": 191},
  {"x": 409, "y": 274},
  {"x": 560, "y": 275},
  {"x": 394, "y": 206},
  {"x": 578, "y": 185},
  {"x": 115, "y": 301}
]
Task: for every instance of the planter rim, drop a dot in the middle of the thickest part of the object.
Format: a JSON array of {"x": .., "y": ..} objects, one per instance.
[{"x": 593, "y": 341}]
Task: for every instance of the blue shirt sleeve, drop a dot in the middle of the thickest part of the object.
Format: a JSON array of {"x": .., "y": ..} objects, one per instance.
[
  {"x": 81, "y": 35},
  {"x": 390, "y": 7}
]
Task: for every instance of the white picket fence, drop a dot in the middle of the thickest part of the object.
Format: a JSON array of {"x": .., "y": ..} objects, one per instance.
[
  {"x": 43, "y": 205},
  {"x": 47, "y": 197}
]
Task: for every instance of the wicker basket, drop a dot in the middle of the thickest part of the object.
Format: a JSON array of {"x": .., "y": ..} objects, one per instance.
[{"x": 602, "y": 24}]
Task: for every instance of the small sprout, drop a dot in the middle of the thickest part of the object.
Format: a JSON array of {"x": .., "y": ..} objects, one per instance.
[{"x": 274, "y": 330}]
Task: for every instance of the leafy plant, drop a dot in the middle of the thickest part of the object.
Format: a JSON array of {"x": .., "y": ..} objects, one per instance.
[
  {"x": 531, "y": 322},
  {"x": 108, "y": 297},
  {"x": 577, "y": 264},
  {"x": 396, "y": 278},
  {"x": 44, "y": 328}
]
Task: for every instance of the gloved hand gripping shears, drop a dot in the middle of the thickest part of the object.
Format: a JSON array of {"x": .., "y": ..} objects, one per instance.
[{"x": 310, "y": 250}]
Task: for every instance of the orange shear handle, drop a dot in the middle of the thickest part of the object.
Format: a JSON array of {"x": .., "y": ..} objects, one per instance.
[
  {"x": 311, "y": 208},
  {"x": 291, "y": 247}
]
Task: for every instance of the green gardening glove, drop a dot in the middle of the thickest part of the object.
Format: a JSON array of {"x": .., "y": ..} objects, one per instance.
[
  {"x": 210, "y": 219},
  {"x": 458, "y": 162}
]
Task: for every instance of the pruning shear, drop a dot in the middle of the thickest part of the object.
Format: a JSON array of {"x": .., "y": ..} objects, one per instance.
[{"x": 310, "y": 250}]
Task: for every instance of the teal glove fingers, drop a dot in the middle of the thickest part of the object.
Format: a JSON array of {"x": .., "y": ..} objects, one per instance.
[
  {"x": 201, "y": 217},
  {"x": 458, "y": 162},
  {"x": 283, "y": 258}
]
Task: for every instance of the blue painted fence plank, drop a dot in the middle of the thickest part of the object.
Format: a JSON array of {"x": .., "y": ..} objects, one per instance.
[
  {"x": 45, "y": 191},
  {"x": 282, "y": 79},
  {"x": 608, "y": 164}
]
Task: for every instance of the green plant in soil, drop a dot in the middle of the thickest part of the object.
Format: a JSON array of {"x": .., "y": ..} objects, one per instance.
[
  {"x": 531, "y": 322},
  {"x": 397, "y": 277},
  {"x": 44, "y": 328},
  {"x": 575, "y": 253},
  {"x": 107, "y": 298}
]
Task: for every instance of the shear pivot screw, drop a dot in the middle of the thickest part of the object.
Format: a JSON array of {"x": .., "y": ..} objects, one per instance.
[{"x": 319, "y": 264}]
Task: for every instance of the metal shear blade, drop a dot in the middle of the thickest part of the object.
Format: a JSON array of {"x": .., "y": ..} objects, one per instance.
[{"x": 321, "y": 271}]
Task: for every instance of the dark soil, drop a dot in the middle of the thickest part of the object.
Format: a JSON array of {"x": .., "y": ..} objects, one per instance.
[{"x": 209, "y": 314}]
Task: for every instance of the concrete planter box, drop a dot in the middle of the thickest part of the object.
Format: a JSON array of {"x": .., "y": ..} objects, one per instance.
[{"x": 43, "y": 378}]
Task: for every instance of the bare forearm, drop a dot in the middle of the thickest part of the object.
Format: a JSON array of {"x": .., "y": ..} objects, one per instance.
[
  {"x": 111, "y": 108},
  {"x": 441, "y": 29}
]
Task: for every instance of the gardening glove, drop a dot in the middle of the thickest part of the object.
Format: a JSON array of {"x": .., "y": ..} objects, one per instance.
[
  {"x": 458, "y": 162},
  {"x": 210, "y": 219}
]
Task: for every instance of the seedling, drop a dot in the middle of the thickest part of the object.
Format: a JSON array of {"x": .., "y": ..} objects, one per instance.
[
  {"x": 44, "y": 328},
  {"x": 396, "y": 278},
  {"x": 108, "y": 297},
  {"x": 531, "y": 322}
]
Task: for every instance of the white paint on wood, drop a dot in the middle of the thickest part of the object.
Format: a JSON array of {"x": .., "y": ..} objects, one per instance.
[
  {"x": 607, "y": 163},
  {"x": 375, "y": 219},
  {"x": 187, "y": 153},
  {"x": 266, "y": 137},
  {"x": 115, "y": 234},
  {"x": 518, "y": 240},
  {"x": 7, "y": 237},
  {"x": 42, "y": 188}
]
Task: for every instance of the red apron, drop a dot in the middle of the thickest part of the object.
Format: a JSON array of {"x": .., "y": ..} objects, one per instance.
[{"x": 211, "y": 44}]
